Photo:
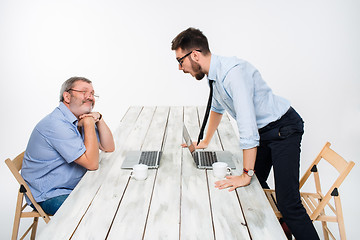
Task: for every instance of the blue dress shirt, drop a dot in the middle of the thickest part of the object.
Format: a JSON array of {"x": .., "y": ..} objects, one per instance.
[
  {"x": 240, "y": 90},
  {"x": 48, "y": 165}
]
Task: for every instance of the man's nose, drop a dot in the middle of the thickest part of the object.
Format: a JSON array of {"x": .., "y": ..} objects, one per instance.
[
  {"x": 90, "y": 97},
  {"x": 180, "y": 67}
]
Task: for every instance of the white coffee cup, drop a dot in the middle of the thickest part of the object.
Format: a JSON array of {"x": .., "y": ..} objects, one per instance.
[
  {"x": 140, "y": 172},
  {"x": 221, "y": 169}
]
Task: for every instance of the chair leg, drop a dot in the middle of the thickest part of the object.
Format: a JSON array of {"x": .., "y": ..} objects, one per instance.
[
  {"x": 340, "y": 217},
  {"x": 325, "y": 231},
  {"x": 17, "y": 215},
  {"x": 324, "y": 227},
  {"x": 34, "y": 228}
]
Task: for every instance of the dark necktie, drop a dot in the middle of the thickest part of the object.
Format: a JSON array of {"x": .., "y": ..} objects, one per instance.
[{"x": 206, "y": 113}]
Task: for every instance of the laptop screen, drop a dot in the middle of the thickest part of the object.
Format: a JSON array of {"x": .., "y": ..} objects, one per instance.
[{"x": 188, "y": 140}]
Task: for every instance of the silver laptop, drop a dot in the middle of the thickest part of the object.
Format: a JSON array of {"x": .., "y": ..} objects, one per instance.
[
  {"x": 205, "y": 159},
  {"x": 149, "y": 158}
]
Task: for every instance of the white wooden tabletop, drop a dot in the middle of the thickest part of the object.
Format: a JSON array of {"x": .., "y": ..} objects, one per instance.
[{"x": 176, "y": 201}]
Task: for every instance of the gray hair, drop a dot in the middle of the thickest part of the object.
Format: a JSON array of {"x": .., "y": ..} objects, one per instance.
[{"x": 68, "y": 84}]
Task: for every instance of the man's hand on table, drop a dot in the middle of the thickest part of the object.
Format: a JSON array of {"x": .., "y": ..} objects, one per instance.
[
  {"x": 233, "y": 182},
  {"x": 201, "y": 145}
]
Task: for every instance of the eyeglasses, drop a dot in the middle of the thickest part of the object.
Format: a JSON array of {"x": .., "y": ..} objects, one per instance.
[
  {"x": 85, "y": 93},
  {"x": 181, "y": 60}
]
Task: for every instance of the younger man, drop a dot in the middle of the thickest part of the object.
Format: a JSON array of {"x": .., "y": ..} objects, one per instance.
[{"x": 270, "y": 129}]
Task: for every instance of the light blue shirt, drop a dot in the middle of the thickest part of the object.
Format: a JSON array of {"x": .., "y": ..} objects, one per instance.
[
  {"x": 48, "y": 166},
  {"x": 240, "y": 90}
]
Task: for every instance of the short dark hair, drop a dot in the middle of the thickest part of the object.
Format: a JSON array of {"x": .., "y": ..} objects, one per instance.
[
  {"x": 191, "y": 39},
  {"x": 68, "y": 84}
]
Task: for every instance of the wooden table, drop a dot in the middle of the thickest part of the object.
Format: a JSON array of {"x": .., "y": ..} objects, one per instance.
[{"x": 176, "y": 201}]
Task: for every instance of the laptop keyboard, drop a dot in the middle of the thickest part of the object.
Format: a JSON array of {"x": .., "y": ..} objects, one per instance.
[
  {"x": 149, "y": 158},
  {"x": 207, "y": 158}
]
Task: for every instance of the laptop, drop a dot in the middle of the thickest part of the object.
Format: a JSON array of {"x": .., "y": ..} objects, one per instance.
[
  {"x": 149, "y": 158},
  {"x": 205, "y": 159}
]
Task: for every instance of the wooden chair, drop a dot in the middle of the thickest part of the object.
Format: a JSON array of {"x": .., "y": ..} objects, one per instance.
[
  {"x": 315, "y": 203},
  {"x": 15, "y": 166}
]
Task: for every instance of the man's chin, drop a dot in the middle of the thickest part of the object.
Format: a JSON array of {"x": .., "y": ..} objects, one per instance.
[
  {"x": 89, "y": 106},
  {"x": 199, "y": 76},
  {"x": 87, "y": 110}
]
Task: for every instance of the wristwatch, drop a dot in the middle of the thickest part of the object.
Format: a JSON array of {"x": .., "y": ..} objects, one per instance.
[{"x": 249, "y": 172}]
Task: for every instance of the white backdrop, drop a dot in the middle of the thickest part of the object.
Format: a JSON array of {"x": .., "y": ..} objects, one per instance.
[{"x": 307, "y": 51}]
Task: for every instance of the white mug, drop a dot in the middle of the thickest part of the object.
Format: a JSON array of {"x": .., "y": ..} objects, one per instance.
[
  {"x": 221, "y": 169},
  {"x": 140, "y": 172}
]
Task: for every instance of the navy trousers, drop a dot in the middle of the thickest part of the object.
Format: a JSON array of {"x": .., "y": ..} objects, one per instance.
[{"x": 279, "y": 148}]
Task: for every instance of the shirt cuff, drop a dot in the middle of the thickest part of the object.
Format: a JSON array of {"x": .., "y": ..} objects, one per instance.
[
  {"x": 248, "y": 143},
  {"x": 221, "y": 111}
]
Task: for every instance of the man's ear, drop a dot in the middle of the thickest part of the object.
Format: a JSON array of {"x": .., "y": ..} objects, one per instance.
[
  {"x": 66, "y": 96},
  {"x": 196, "y": 56}
]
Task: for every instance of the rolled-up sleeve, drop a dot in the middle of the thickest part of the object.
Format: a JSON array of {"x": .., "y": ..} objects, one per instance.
[{"x": 216, "y": 106}]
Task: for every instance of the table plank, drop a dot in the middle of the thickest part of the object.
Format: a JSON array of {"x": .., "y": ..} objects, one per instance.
[
  {"x": 135, "y": 203},
  {"x": 196, "y": 220},
  {"x": 65, "y": 222},
  {"x": 165, "y": 202},
  {"x": 155, "y": 136},
  {"x": 228, "y": 219},
  {"x": 229, "y": 222},
  {"x": 260, "y": 218}
]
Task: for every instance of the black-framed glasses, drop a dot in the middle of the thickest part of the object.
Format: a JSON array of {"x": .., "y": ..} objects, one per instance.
[
  {"x": 181, "y": 60},
  {"x": 85, "y": 93}
]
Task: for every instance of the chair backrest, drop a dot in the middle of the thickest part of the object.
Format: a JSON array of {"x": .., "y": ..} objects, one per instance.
[
  {"x": 340, "y": 164},
  {"x": 15, "y": 166}
]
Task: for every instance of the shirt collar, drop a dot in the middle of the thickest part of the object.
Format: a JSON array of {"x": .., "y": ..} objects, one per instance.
[
  {"x": 67, "y": 113},
  {"x": 213, "y": 66}
]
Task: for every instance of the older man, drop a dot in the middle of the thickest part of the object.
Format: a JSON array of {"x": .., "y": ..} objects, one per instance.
[{"x": 65, "y": 144}]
